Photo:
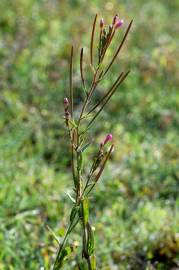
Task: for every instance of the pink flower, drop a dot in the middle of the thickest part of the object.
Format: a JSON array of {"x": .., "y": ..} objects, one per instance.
[
  {"x": 108, "y": 138},
  {"x": 101, "y": 23},
  {"x": 119, "y": 23},
  {"x": 65, "y": 101}
]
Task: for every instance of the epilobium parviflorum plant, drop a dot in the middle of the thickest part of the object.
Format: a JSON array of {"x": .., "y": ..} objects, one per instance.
[{"x": 86, "y": 178}]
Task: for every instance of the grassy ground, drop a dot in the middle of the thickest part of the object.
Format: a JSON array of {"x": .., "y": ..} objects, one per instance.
[{"x": 136, "y": 203}]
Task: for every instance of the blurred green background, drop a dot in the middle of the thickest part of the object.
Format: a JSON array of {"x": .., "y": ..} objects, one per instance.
[{"x": 135, "y": 206}]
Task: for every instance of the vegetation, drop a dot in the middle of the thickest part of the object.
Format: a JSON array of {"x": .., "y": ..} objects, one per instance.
[
  {"x": 136, "y": 204},
  {"x": 85, "y": 175}
]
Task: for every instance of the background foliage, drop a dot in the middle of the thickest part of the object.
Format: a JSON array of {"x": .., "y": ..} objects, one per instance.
[{"x": 136, "y": 203}]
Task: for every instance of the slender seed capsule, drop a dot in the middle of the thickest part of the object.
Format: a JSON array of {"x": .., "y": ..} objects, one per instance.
[{"x": 67, "y": 114}]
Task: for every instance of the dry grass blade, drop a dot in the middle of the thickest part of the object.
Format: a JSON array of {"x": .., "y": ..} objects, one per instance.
[
  {"x": 92, "y": 39},
  {"x": 119, "y": 48}
]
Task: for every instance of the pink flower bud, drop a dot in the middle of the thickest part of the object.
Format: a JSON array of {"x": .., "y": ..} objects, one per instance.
[
  {"x": 108, "y": 138},
  {"x": 119, "y": 23},
  {"x": 115, "y": 19},
  {"x": 101, "y": 23},
  {"x": 65, "y": 101}
]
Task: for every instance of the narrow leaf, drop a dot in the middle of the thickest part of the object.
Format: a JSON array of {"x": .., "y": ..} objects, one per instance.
[
  {"x": 64, "y": 254},
  {"x": 85, "y": 210},
  {"x": 80, "y": 161},
  {"x": 73, "y": 213},
  {"x": 74, "y": 218},
  {"x": 53, "y": 234},
  {"x": 82, "y": 149},
  {"x": 90, "y": 240},
  {"x": 71, "y": 198},
  {"x": 74, "y": 223}
]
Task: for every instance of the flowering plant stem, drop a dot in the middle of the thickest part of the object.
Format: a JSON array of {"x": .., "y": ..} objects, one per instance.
[{"x": 77, "y": 130}]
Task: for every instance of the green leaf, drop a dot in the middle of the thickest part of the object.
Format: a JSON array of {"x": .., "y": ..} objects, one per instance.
[
  {"x": 53, "y": 234},
  {"x": 73, "y": 213},
  {"x": 71, "y": 198},
  {"x": 90, "y": 241},
  {"x": 80, "y": 161},
  {"x": 74, "y": 218},
  {"x": 72, "y": 122},
  {"x": 75, "y": 222},
  {"x": 84, "y": 147},
  {"x": 93, "y": 262},
  {"x": 61, "y": 232},
  {"x": 85, "y": 210},
  {"x": 64, "y": 254}
]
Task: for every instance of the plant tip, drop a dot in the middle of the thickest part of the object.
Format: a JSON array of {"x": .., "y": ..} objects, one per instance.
[
  {"x": 101, "y": 23},
  {"x": 108, "y": 138},
  {"x": 115, "y": 19},
  {"x": 65, "y": 101},
  {"x": 119, "y": 23}
]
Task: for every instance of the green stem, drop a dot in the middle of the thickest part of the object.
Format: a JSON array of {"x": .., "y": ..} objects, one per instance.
[
  {"x": 78, "y": 165},
  {"x": 55, "y": 267},
  {"x": 89, "y": 264}
]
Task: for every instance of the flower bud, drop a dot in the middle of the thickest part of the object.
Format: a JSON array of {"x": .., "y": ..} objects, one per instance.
[
  {"x": 101, "y": 23},
  {"x": 119, "y": 23},
  {"x": 115, "y": 19},
  {"x": 65, "y": 101},
  {"x": 108, "y": 138}
]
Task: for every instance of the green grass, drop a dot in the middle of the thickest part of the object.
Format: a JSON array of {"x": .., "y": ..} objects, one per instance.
[{"x": 136, "y": 202}]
